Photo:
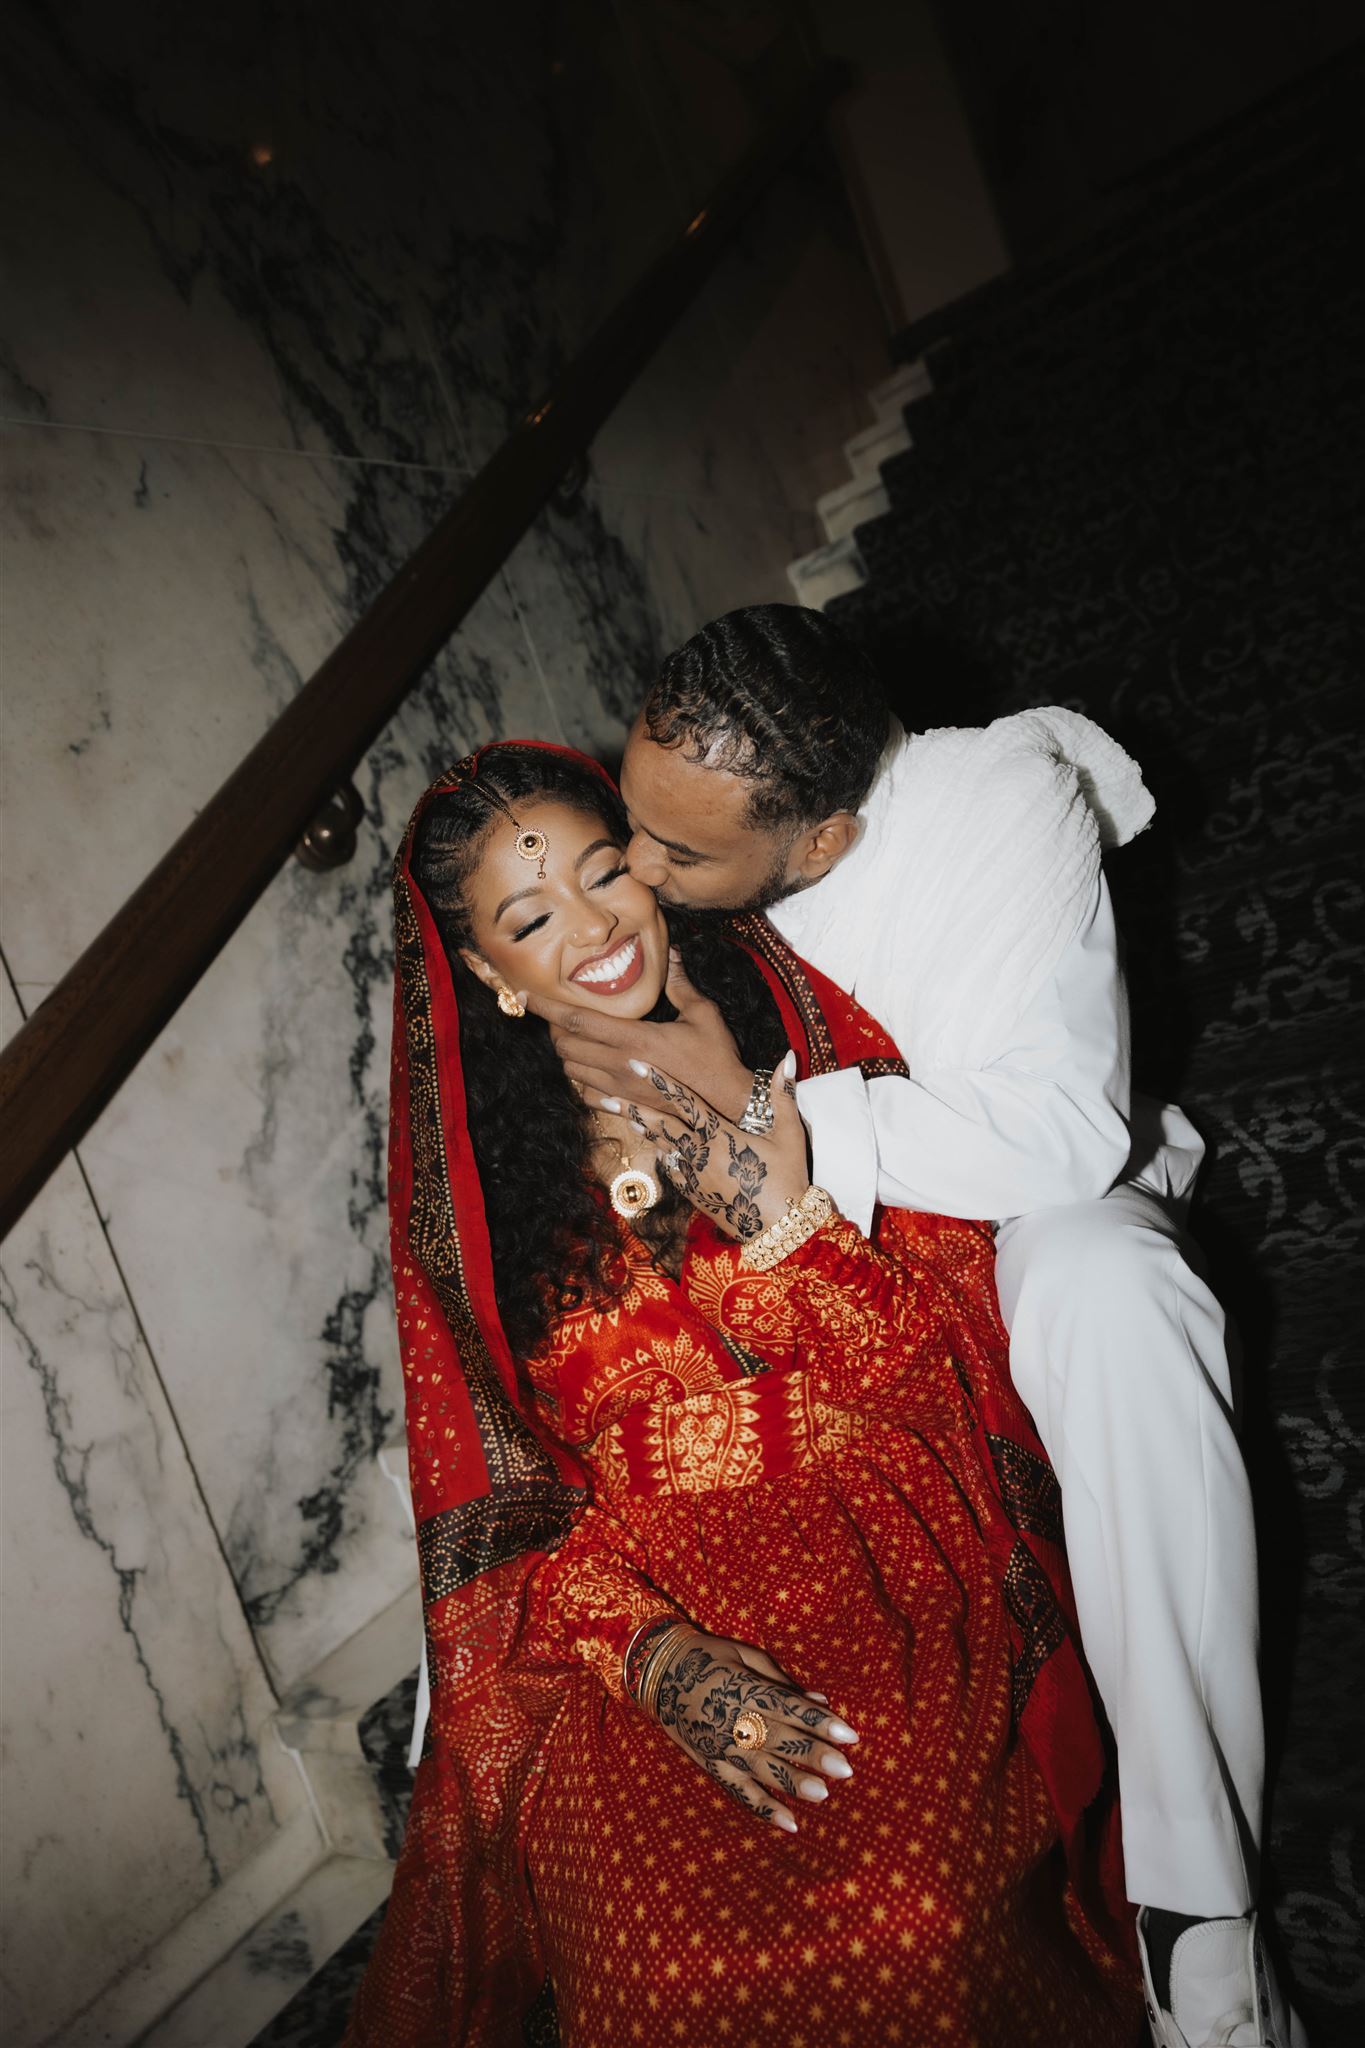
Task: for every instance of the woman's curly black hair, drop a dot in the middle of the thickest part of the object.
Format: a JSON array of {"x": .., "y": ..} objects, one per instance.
[{"x": 554, "y": 1239}]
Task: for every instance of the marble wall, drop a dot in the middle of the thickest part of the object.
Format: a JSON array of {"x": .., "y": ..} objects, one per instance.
[
  {"x": 134, "y": 1697},
  {"x": 278, "y": 281}
]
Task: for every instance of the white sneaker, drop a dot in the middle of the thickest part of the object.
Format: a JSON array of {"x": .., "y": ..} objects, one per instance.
[{"x": 1224, "y": 1993}]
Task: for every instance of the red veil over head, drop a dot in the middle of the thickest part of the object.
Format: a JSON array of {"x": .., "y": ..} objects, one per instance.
[
  {"x": 492, "y": 1493},
  {"x": 488, "y": 1484}
]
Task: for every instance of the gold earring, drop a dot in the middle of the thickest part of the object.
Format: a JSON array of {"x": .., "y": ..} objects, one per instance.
[{"x": 508, "y": 1004}]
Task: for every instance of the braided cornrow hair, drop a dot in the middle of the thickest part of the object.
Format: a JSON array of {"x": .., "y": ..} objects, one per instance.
[{"x": 781, "y": 696}]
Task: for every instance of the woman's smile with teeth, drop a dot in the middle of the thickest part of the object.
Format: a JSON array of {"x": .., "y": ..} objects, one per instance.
[{"x": 614, "y": 970}]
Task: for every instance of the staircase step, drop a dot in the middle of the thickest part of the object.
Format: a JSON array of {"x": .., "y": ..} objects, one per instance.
[
  {"x": 834, "y": 570},
  {"x": 320, "y": 1722},
  {"x": 850, "y": 505},
  {"x": 911, "y": 382},
  {"x": 867, "y": 451},
  {"x": 1251, "y": 1121},
  {"x": 1026, "y": 605},
  {"x": 1218, "y": 673},
  {"x": 385, "y": 1735},
  {"x": 1258, "y": 373},
  {"x": 1277, "y": 959},
  {"x": 277, "y": 1968}
]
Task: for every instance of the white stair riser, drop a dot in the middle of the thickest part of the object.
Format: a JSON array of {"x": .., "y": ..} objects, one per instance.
[
  {"x": 867, "y": 451},
  {"x": 249, "y": 1985},
  {"x": 132, "y": 2006},
  {"x": 890, "y": 399},
  {"x": 828, "y": 573},
  {"x": 346, "y": 1801},
  {"x": 839, "y": 512}
]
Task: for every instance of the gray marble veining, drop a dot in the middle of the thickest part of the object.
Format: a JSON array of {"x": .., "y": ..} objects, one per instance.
[{"x": 134, "y": 1696}]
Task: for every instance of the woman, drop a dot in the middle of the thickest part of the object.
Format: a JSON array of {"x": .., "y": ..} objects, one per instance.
[{"x": 755, "y": 1712}]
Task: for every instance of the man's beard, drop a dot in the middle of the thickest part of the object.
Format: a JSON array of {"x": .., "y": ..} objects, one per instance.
[
  {"x": 708, "y": 917},
  {"x": 686, "y": 923}
]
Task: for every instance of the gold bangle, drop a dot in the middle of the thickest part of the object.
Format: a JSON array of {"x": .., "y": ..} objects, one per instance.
[
  {"x": 655, "y": 1621},
  {"x": 651, "y": 1682},
  {"x": 799, "y": 1222}
]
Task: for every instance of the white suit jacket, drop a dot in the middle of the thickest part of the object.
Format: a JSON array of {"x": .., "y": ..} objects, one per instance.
[{"x": 972, "y": 920}]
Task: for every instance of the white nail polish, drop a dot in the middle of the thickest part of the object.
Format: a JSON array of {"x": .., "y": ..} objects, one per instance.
[
  {"x": 638, "y": 1067},
  {"x": 610, "y": 1102},
  {"x": 811, "y": 1788},
  {"x": 841, "y": 1732},
  {"x": 822, "y": 1697},
  {"x": 782, "y": 1819},
  {"x": 835, "y": 1766},
  {"x": 789, "y": 1066}
]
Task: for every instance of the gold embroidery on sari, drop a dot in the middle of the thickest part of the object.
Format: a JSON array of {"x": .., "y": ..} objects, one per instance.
[
  {"x": 731, "y": 1436},
  {"x": 756, "y": 933}
]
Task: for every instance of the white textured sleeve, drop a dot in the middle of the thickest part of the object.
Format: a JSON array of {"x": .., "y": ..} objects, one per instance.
[
  {"x": 843, "y": 1142},
  {"x": 1043, "y": 1124}
]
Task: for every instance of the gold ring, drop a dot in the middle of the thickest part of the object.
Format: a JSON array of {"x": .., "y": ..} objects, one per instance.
[{"x": 750, "y": 1730}]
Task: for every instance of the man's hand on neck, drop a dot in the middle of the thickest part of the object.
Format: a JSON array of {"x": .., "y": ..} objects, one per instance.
[{"x": 697, "y": 1050}]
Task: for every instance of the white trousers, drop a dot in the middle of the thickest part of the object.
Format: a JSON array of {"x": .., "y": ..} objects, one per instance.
[{"x": 1118, "y": 1347}]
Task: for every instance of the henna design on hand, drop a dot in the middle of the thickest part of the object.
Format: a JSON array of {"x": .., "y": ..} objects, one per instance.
[
  {"x": 746, "y": 1167},
  {"x": 699, "y": 1116},
  {"x": 701, "y": 1699},
  {"x": 793, "y": 1745},
  {"x": 691, "y": 1164},
  {"x": 703, "y": 1688},
  {"x": 750, "y": 1171}
]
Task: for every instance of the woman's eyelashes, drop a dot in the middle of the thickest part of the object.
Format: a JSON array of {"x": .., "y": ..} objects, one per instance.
[{"x": 603, "y": 882}]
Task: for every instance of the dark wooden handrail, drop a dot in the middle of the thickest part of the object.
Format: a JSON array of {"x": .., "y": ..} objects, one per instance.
[{"x": 81, "y": 1043}]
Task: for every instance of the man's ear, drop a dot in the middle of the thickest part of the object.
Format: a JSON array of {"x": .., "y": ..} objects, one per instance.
[
  {"x": 822, "y": 845},
  {"x": 476, "y": 964}
]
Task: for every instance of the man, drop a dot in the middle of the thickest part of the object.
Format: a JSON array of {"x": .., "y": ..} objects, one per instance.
[{"x": 951, "y": 882}]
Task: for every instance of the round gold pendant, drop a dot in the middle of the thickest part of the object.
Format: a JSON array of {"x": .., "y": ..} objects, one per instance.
[
  {"x": 531, "y": 844},
  {"x": 633, "y": 1191}
]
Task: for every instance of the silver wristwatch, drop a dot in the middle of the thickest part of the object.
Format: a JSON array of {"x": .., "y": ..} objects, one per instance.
[{"x": 758, "y": 1110}]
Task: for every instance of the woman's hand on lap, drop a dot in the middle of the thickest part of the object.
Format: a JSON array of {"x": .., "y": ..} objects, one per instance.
[{"x": 711, "y": 1681}]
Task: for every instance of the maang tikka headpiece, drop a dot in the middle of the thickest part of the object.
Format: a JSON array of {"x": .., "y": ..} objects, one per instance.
[
  {"x": 531, "y": 841},
  {"x": 531, "y": 845}
]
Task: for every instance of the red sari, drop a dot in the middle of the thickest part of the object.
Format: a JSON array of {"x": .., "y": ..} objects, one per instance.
[{"x": 826, "y": 1460}]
